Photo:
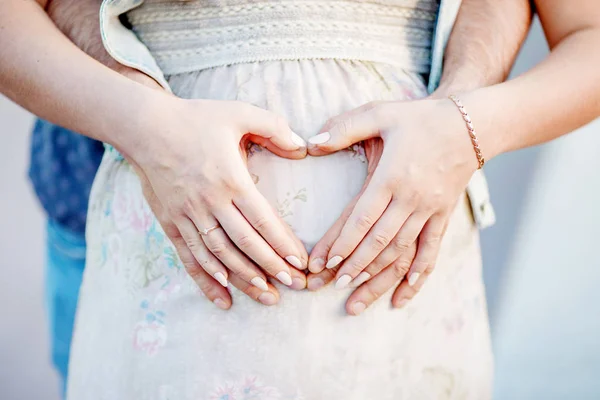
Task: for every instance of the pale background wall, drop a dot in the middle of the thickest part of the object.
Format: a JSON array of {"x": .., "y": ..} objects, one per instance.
[{"x": 541, "y": 260}]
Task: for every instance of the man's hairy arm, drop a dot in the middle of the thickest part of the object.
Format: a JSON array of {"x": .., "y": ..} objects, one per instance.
[
  {"x": 484, "y": 44},
  {"x": 79, "y": 20}
]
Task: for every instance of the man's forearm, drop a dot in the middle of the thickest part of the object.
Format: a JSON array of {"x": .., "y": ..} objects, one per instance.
[
  {"x": 79, "y": 21},
  {"x": 484, "y": 43}
]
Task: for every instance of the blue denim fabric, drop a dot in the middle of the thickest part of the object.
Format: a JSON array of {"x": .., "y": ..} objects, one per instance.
[
  {"x": 64, "y": 271},
  {"x": 62, "y": 170}
]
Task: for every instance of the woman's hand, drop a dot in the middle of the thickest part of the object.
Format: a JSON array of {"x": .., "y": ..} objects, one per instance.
[
  {"x": 382, "y": 274},
  {"x": 78, "y": 20},
  {"x": 426, "y": 163},
  {"x": 191, "y": 161}
]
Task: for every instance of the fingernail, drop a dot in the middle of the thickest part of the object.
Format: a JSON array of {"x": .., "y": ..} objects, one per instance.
[
  {"x": 315, "y": 266},
  {"x": 360, "y": 279},
  {"x": 284, "y": 278},
  {"x": 298, "y": 140},
  {"x": 315, "y": 284},
  {"x": 320, "y": 138},
  {"x": 298, "y": 284},
  {"x": 259, "y": 283},
  {"x": 267, "y": 298},
  {"x": 343, "y": 282},
  {"x": 333, "y": 262},
  {"x": 358, "y": 307},
  {"x": 220, "y": 303},
  {"x": 412, "y": 279},
  {"x": 220, "y": 277},
  {"x": 295, "y": 261},
  {"x": 402, "y": 303}
]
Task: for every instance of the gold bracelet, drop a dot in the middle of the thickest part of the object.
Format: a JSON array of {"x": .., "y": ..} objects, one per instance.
[{"x": 470, "y": 128}]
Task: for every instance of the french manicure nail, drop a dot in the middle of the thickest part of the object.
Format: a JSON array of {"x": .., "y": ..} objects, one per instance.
[
  {"x": 284, "y": 278},
  {"x": 294, "y": 261},
  {"x": 316, "y": 283},
  {"x": 360, "y": 279},
  {"x": 298, "y": 140},
  {"x": 320, "y": 138},
  {"x": 259, "y": 283},
  {"x": 402, "y": 303},
  {"x": 315, "y": 266},
  {"x": 333, "y": 262},
  {"x": 267, "y": 298},
  {"x": 358, "y": 307},
  {"x": 343, "y": 282},
  {"x": 220, "y": 303},
  {"x": 220, "y": 277},
  {"x": 412, "y": 279}
]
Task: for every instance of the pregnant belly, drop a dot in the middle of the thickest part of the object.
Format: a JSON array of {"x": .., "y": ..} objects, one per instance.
[{"x": 308, "y": 194}]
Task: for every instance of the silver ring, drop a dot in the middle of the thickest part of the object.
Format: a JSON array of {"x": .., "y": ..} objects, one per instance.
[{"x": 206, "y": 231}]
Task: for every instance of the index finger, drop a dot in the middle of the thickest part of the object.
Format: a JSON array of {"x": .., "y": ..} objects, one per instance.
[
  {"x": 369, "y": 208},
  {"x": 259, "y": 213}
]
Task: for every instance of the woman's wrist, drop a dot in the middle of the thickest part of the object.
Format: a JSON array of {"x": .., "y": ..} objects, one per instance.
[
  {"x": 485, "y": 107},
  {"x": 132, "y": 127}
]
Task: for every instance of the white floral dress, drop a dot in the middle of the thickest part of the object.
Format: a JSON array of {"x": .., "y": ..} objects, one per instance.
[{"x": 145, "y": 331}]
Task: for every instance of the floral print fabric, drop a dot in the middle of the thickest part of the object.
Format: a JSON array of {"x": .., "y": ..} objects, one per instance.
[{"x": 145, "y": 331}]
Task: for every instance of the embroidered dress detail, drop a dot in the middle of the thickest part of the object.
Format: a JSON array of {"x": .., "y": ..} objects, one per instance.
[{"x": 192, "y": 35}]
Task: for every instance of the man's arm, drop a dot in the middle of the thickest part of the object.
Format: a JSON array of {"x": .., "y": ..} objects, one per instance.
[
  {"x": 556, "y": 96},
  {"x": 483, "y": 44},
  {"x": 79, "y": 21}
]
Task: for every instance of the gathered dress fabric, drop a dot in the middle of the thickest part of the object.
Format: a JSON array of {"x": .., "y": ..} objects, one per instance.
[{"x": 145, "y": 331}]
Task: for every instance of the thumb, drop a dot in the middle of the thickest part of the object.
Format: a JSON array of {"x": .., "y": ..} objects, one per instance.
[
  {"x": 272, "y": 131},
  {"x": 344, "y": 131}
]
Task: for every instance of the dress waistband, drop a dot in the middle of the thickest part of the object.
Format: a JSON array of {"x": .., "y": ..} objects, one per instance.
[{"x": 185, "y": 36}]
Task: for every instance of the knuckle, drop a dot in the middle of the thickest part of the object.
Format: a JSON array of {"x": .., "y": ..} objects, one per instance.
[
  {"x": 236, "y": 184},
  {"x": 208, "y": 200},
  {"x": 193, "y": 243},
  {"x": 218, "y": 248},
  {"x": 175, "y": 210},
  {"x": 401, "y": 268},
  {"x": 401, "y": 244},
  {"x": 422, "y": 265},
  {"x": 381, "y": 240},
  {"x": 189, "y": 206},
  {"x": 278, "y": 246},
  {"x": 244, "y": 242},
  {"x": 261, "y": 223},
  {"x": 413, "y": 198},
  {"x": 432, "y": 239},
  {"x": 363, "y": 222},
  {"x": 355, "y": 265}
]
